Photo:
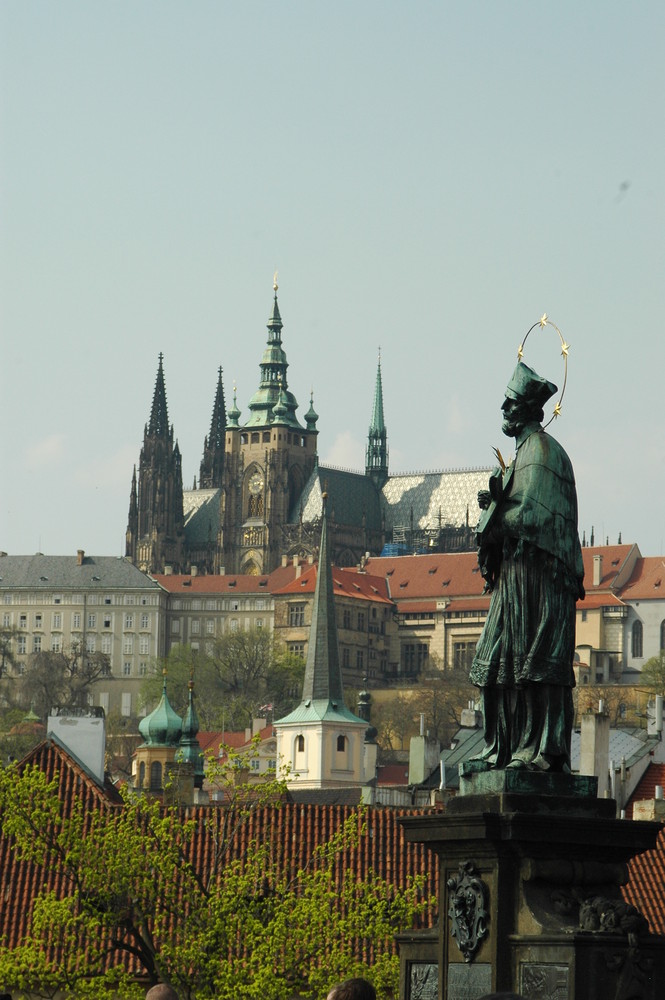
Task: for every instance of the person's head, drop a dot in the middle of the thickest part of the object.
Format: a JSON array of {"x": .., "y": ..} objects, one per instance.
[
  {"x": 526, "y": 394},
  {"x": 161, "y": 992},
  {"x": 353, "y": 989}
]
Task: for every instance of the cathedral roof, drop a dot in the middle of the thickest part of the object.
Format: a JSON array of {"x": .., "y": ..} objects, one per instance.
[
  {"x": 352, "y": 496},
  {"x": 430, "y": 498},
  {"x": 201, "y": 510}
]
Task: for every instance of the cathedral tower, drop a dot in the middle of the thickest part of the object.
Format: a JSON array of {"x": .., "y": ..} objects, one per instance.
[
  {"x": 155, "y": 528},
  {"x": 212, "y": 464},
  {"x": 267, "y": 463}
]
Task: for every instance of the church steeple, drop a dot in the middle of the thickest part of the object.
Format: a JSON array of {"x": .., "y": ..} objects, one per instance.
[
  {"x": 212, "y": 464},
  {"x": 376, "y": 460},
  {"x": 323, "y": 674},
  {"x": 190, "y": 748},
  {"x": 273, "y": 379}
]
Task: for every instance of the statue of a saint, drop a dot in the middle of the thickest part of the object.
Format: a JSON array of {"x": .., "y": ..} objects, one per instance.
[{"x": 530, "y": 556}]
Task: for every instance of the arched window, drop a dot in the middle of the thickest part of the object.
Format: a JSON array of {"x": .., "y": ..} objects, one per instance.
[
  {"x": 341, "y": 743},
  {"x": 300, "y": 744},
  {"x": 662, "y": 634},
  {"x": 155, "y": 776},
  {"x": 637, "y": 636},
  {"x": 141, "y": 774}
]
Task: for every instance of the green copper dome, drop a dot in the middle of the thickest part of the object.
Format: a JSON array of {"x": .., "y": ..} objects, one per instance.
[
  {"x": 163, "y": 727},
  {"x": 266, "y": 404}
]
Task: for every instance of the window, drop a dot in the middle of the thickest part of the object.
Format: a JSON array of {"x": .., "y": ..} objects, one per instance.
[
  {"x": 6, "y": 620},
  {"x": 106, "y": 621},
  {"x": 210, "y": 626},
  {"x": 361, "y": 621},
  {"x": 296, "y": 614},
  {"x": 76, "y": 620},
  {"x": 57, "y": 599},
  {"x": 23, "y": 621},
  {"x": 414, "y": 655},
  {"x": 196, "y": 626},
  {"x": 300, "y": 744},
  {"x": 235, "y": 605},
  {"x": 106, "y": 644},
  {"x": 92, "y": 621},
  {"x": 141, "y": 774},
  {"x": 234, "y": 624},
  {"x": 637, "y": 638},
  {"x": 155, "y": 776},
  {"x": 128, "y": 645},
  {"x": 7, "y": 599},
  {"x": 341, "y": 743},
  {"x": 129, "y": 598},
  {"x": 129, "y": 621},
  {"x": 662, "y": 634},
  {"x": 260, "y": 604},
  {"x": 20, "y": 645},
  {"x": 144, "y": 645},
  {"x": 126, "y": 669},
  {"x": 346, "y": 657},
  {"x": 175, "y": 626},
  {"x": 463, "y": 653},
  {"x": 56, "y": 643},
  {"x": 254, "y": 764},
  {"x": 90, "y": 643},
  {"x": 297, "y": 648},
  {"x": 38, "y": 620},
  {"x": 259, "y": 622},
  {"x": 143, "y": 669},
  {"x": 347, "y": 618},
  {"x": 36, "y": 643},
  {"x": 57, "y": 619},
  {"x": 210, "y": 605},
  {"x": 107, "y": 599},
  {"x": 584, "y": 616},
  {"x": 145, "y": 621}
]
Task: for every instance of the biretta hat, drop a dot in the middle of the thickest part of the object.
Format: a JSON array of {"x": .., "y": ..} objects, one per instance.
[{"x": 525, "y": 383}]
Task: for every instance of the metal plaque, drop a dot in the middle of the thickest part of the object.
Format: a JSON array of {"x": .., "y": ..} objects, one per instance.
[
  {"x": 468, "y": 982},
  {"x": 423, "y": 981},
  {"x": 540, "y": 981}
]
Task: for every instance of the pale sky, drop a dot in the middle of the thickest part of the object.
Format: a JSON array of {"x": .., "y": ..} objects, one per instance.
[{"x": 427, "y": 177}]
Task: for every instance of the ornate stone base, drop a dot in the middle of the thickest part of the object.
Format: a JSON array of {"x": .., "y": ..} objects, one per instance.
[{"x": 530, "y": 893}]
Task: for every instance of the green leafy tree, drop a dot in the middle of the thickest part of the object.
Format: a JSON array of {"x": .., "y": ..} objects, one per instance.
[
  {"x": 247, "y": 926},
  {"x": 54, "y": 679},
  {"x": 653, "y": 673}
]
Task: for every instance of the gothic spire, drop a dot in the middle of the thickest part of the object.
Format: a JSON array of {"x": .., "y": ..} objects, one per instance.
[
  {"x": 212, "y": 464},
  {"x": 273, "y": 378},
  {"x": 376, "y": 460},
  {"x": 159, "y": 417},
  {"x": 323, "y": 675},
  {"x": 190, "y": 748}
]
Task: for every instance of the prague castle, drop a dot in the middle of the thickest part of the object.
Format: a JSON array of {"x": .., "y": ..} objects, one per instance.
[{"x": 259, "y": 494}]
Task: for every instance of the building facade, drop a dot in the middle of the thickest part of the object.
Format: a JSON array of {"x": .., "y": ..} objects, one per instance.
[{"x": 89, "y": 604}]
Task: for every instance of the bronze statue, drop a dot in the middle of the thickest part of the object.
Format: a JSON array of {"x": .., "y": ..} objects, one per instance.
[{"x": 530, "y": 556}]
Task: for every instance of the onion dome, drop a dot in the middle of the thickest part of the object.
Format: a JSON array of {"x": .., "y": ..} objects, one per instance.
[
  {"x": 190, "y": 748},
  {"x": 311, "y": 416},
  {"x": 233, "y": 415},
  {"x": 163, "y": 727}
]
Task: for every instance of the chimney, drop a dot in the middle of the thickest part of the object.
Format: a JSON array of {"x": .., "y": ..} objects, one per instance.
[
  {"x": 168, "y": 570},
  {"x": 194, "y": 571},
  {"x": 298, "y": 569},
  {"x": 595, "y": 747},
  {"x": 80, "y": 555},
  {"x": 597, "y": 570},
  {"x": 285, "y": 561}
]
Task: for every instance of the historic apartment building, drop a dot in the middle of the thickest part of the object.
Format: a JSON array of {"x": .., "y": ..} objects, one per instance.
[
  {"x": 99, "y": 604},
  {"x": 260, "y": 488}
]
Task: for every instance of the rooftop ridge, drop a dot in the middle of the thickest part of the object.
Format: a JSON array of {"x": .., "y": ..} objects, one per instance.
[{"x": 441, "y": 472}]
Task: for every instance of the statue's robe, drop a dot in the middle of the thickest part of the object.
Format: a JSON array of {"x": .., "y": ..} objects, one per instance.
[{"x": 524, "y": 657}]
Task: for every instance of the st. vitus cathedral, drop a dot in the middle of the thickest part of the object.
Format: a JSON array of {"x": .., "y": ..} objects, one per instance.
[{"x": 260, "y": 488}]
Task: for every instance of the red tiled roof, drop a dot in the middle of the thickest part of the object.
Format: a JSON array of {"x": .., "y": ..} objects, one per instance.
[
  {"x": 599, "y": 600},
  {"x": 479, "y": 604},
  {"x": 224, "y": 583},
  {"x": 381, "y": 848},
  {"x": 346, "y": 582},
  {"x": 613, "y": 560},
  {"x": 441, "y": 574},
  {"x": 646, "y": 879},
  {"x": 647, "y": 581}
]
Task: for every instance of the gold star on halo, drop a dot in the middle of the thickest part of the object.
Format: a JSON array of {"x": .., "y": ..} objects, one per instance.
[
  {"x": 543, "y": 319},
  {"x": 564, "y": 349},
  {"x": 520, "y": 352},
  {"x": 557, "y": 410}
]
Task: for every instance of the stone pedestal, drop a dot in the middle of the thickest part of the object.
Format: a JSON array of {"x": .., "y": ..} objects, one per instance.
[{"x": 531, "y": 868}]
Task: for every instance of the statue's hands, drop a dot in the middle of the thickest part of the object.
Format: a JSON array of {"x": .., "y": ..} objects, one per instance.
[{"x": 484, "y": 499}]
